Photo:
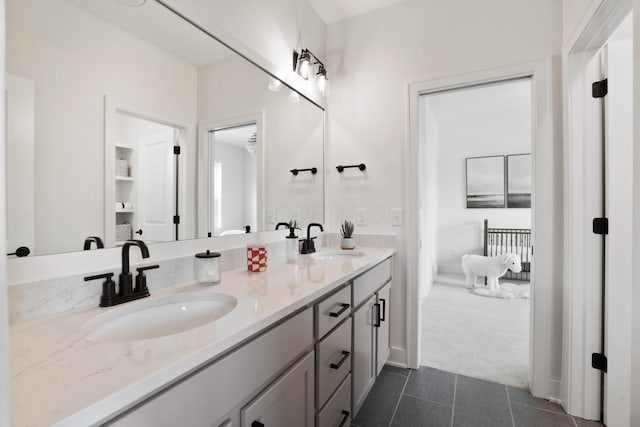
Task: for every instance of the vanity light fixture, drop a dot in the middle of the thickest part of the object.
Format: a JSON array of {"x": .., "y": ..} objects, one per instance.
[{"x": 304, "y": 63}]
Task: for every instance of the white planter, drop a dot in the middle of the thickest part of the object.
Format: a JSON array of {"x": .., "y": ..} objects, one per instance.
[{"x": 349, "y": 243}]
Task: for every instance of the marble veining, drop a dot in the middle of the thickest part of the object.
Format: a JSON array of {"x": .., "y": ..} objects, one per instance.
[
  {"x": 59, "y": 377},
  {"x": 43, "y": 298}
]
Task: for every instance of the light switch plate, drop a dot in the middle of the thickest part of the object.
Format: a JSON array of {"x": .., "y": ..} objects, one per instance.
[
  {"x": 361, "y": 217},
  {"x": 396, "y": 216},
  {"x": 271, "y": 216}
]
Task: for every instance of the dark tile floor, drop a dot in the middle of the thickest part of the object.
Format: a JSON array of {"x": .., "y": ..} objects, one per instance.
[{"x": 429, "y": 397}]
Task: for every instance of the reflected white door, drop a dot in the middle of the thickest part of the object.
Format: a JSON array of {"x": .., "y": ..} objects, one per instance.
[
  {"x": 20, "y": 96},
  {"x": 156, "y": 189}
]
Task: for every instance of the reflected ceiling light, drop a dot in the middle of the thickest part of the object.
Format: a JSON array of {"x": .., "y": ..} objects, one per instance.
[
  {"x": 304, "y": 63},
  {"x": 293, "y": 96},
  {"x": 132, "y": 3},
  {"x": 252, "y": 144},
  {"x": 275, "y": 84}
]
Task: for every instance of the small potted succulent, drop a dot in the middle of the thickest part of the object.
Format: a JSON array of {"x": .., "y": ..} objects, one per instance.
[{"x": 346, "y": 229}]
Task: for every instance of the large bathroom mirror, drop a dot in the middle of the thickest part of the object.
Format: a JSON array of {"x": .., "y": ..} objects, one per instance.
[{"x": 130, "y": 122}]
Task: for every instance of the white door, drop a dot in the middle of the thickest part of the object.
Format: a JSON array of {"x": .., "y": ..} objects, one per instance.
[
  {"x": 20, "y": 98},
  {"x": 156, "y": 187},
  {"x": 619, "y": 192}
]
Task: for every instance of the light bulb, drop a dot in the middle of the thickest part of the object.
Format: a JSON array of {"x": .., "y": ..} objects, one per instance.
[
  {"x": 321, "y": 80},
  {"x": 304, "y": 68}
]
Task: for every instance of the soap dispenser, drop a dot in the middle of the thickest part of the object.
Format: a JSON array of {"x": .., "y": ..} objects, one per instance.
[{"x": 291, "y": 245}]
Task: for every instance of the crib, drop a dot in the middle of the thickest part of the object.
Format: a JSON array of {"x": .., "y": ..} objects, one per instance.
[{"x": 498, "y": 241}]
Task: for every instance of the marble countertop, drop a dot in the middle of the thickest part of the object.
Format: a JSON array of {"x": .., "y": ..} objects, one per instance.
[{"x": 59, "y": 377}]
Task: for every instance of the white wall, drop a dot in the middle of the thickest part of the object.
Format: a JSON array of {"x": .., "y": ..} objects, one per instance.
[
  {"x": 58, "y": 46},
  {"x": 498, "y": 125},
  {"x": 375, "y": 56}
]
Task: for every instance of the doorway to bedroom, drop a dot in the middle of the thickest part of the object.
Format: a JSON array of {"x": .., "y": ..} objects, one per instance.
[{"x": 476, "y": 193}]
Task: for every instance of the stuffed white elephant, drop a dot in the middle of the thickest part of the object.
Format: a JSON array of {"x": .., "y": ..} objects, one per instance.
[{"x": 490, "y": 267}]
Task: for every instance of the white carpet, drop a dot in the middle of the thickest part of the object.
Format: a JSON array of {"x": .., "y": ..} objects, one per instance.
[{"x": 486, "y": 338}]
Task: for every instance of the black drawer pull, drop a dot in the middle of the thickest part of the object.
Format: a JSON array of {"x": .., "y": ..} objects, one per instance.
[
  {"x": 345, "y": 356},
  {"x": 344, "y": 306},
  {"x": 257, "y": 424},
  {"x": 376, "y": 322},
  {"x": 345, "y": 417},
  {"x": 384, "y": 309}
]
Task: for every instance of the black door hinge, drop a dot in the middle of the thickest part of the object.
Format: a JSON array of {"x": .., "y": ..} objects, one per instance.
[
  {"x": 176, "y": 150},
  {"x": 599, "y": 361},
  {"x": 599, "y": 89},
  {"x": 176, "y": 219},
  {"x": 600, "y": 225}
]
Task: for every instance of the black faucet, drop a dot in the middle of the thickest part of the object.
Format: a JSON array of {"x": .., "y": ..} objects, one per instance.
[
  {"x": 126, "y": 279},
  {"x": 126, "y": 292},
  {"x": 283, "y": 224},
  {"x": 308, "y": 247},
  {"x": 91, "y": 239}
]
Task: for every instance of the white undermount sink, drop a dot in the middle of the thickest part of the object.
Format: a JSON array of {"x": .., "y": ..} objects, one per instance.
[
  {"x": 157, "y": 317},
  {"x": 336, "y": 254}
]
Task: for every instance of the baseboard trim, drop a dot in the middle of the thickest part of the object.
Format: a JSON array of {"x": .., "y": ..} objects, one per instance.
[
  {"x": 397, "y": 357},
  {"x": 555, "y": 391},
  {"x": 450, "y": 268}
]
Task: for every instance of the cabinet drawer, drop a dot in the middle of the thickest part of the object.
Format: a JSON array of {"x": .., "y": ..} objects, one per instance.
[
  {"x": 211, "y": 393},
  {"x": 334, "y": 361},
  {"x": 365, "y": 285},
  {"x": 288, "y": 402},
  {"x": 337, "y": 412},
  {"x": 332, "y": 310}
]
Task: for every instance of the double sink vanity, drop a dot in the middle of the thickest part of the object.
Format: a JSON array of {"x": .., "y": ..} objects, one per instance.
[{"x": 298, "y": 345}]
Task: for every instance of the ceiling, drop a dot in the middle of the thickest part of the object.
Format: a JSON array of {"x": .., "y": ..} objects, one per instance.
[
  {"x": 236, "y": 136},
  {"x": 331, "y": 11}
]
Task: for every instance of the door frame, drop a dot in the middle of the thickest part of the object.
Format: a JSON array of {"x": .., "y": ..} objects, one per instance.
[
  {"x": 203, "y": 167},
  {"x": 113, "y": 106},
  {"x": 581, "y": 383},
  {"x": 545, "y": 269}
]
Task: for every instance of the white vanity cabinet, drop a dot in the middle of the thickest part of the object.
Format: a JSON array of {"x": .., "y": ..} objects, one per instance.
[
  {"x": 333, "y": 358},
  {"x": 288, "y": 402},
  {"x": 206, "y": 397},
  {"x": 371, "y": 345}
]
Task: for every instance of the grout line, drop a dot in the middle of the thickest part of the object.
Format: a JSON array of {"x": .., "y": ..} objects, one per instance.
[
  {"x": 539, "y": 409},
  {"x": 509, "y": 402},
  {"x": 399, "y": 399},
  {"x": 453, "y": 406},
  {"x": 428, "y": 400},
  {"x": 574, "y": 421},
  {"x": 397, "y": 375}
]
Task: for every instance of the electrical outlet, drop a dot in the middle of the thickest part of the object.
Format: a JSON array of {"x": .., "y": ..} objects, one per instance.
[
  {"x": 361, "y": 217},
  {"x": 271, "y": 216},
  {"x": 396, "y": 216}
]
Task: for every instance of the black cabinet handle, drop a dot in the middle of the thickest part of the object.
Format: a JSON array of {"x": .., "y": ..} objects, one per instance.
[
  {"x": 384, "y": 309},
  {"x": 376, "y": 322},
  {"x": 345, "y": 356},
  {"x": 257, "y": 424},
  {"x": 345, "y": 417},
  {"x": 344, "y": 306}
]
